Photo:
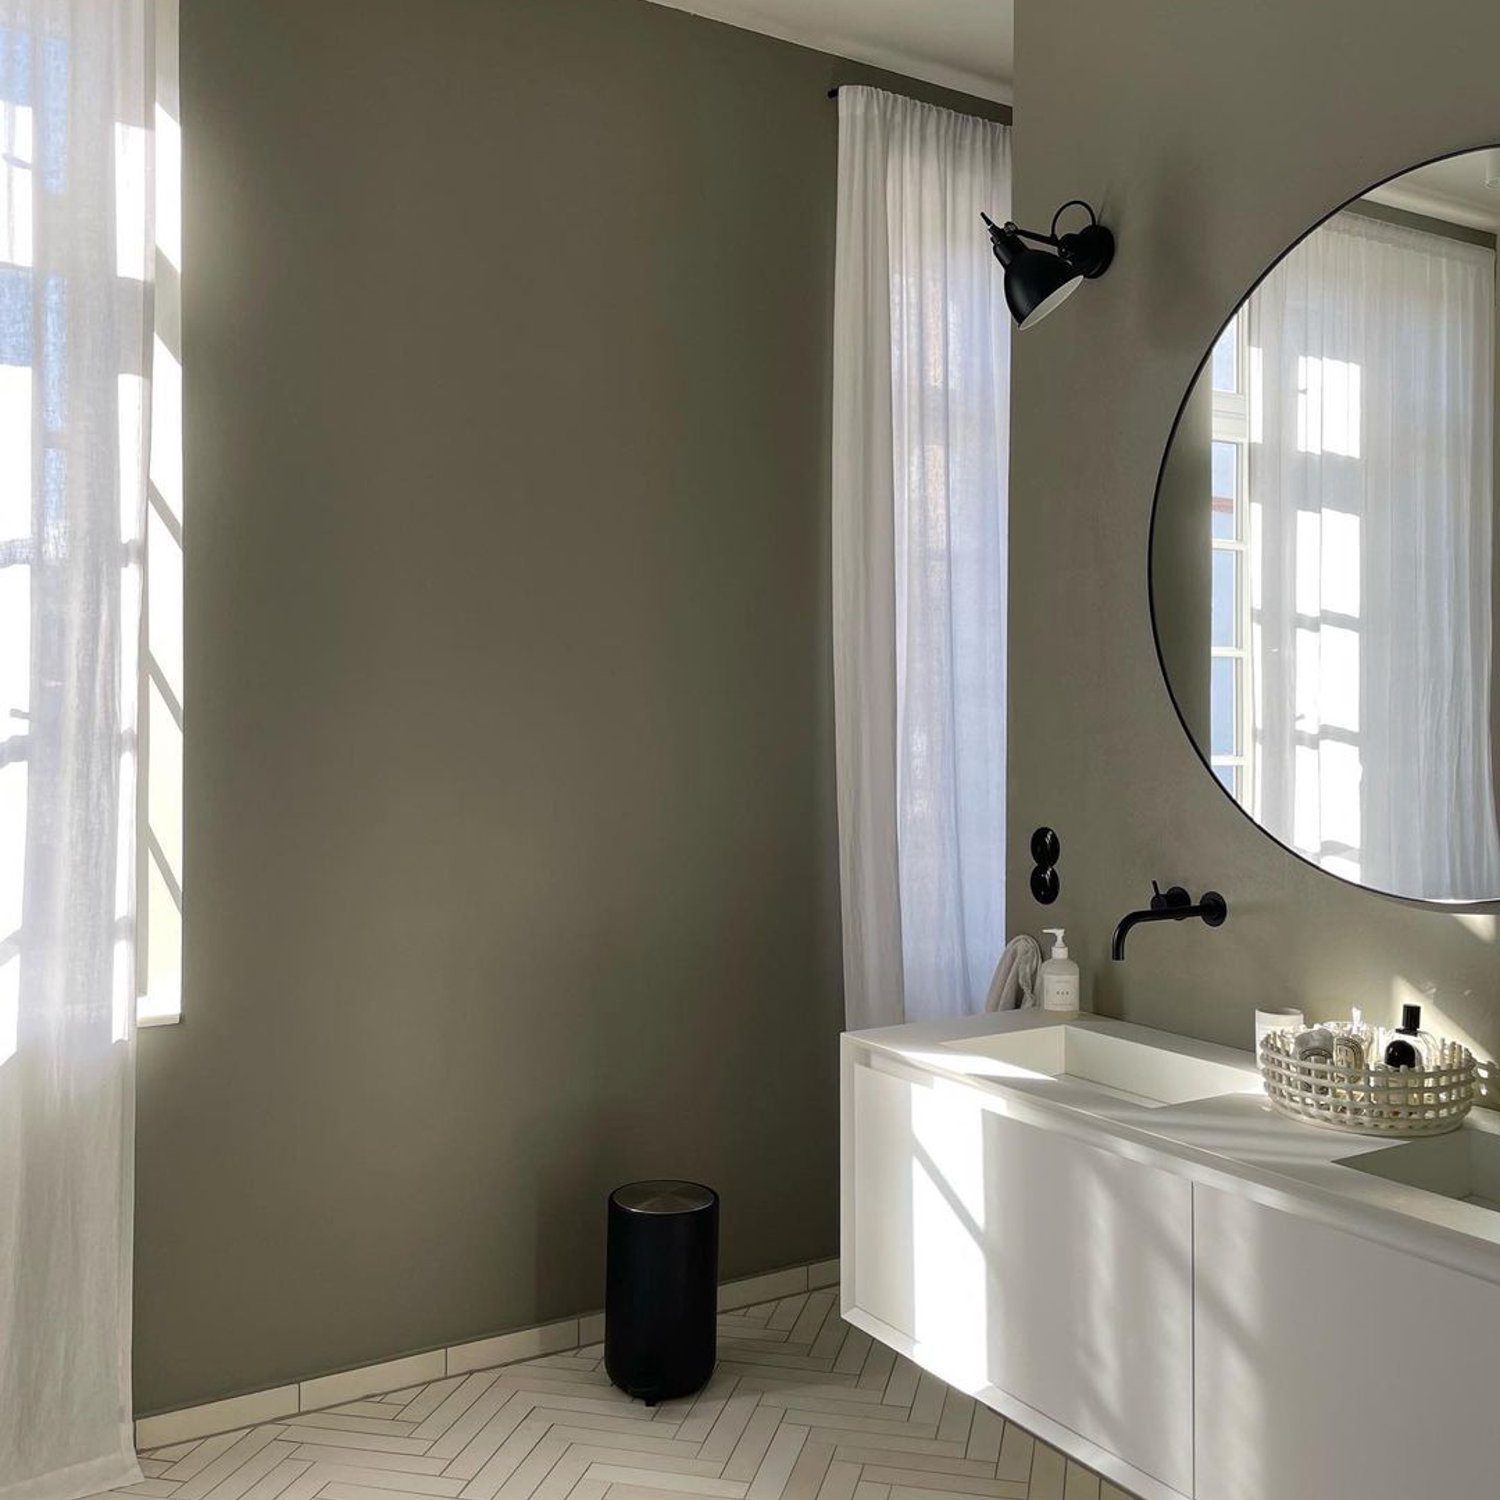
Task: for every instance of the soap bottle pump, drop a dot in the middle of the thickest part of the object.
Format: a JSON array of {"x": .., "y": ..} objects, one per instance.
[{"x": 1059, "y": 977}]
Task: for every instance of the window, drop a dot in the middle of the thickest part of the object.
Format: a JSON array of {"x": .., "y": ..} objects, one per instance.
[{"x": 36, "y": 405}]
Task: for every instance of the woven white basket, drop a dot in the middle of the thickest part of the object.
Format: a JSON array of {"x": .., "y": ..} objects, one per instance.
[{"x": 1370, "y": 1100}]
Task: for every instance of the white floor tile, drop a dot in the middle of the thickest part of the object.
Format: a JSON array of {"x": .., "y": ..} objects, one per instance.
[{"x": 802, "y": 1406}]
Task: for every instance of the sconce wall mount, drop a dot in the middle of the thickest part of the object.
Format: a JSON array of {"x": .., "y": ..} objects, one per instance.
[{"x": 1038, "y": 281}]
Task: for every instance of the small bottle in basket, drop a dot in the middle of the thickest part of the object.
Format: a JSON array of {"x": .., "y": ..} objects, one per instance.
[
  {"x": 1354, "y": 1043},
  {"x": 1313, "y": 1045},
  {"x": 1349, "y": 1047},
  {"x": 1411, "y": 1046}
]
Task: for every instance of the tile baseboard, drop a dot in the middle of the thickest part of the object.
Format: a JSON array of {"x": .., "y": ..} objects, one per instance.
[
  {"x": 289, "y": 1400},
  {"x": 508, "y": 1348},
  {"x": 217, "y": 1416},
  {"x": 367, "y": 1380}
]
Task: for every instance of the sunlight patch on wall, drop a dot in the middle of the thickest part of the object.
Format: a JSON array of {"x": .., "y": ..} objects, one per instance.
[{"x": 1480, "y": 923}]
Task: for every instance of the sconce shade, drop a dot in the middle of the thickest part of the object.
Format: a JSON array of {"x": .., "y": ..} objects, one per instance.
[
  {"x": 1036, "y": 284},
  {"x": 1038, "y": 281}
]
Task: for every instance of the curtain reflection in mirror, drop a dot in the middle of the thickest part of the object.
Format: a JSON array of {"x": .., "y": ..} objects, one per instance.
[{"x": 1351, "y": 588}]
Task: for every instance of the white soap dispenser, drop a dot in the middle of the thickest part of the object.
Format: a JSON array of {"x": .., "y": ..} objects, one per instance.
[{"x": 1059, "y": 977}]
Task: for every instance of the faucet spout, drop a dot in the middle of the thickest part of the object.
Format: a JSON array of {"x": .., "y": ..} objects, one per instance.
[
  {"x": 1122, "y": 931},
  {"x": 1173, "y": 905}
]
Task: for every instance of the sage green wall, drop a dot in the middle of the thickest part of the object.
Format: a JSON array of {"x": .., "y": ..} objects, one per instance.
[
  {"x": 1210, "y": 135},
  {"x": 511, "y": 854}
]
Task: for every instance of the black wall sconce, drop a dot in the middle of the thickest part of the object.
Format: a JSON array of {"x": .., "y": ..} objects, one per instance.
[{"x": 1037, "y": 281}]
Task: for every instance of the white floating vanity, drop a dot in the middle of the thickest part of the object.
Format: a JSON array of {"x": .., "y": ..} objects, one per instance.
[{"x": 1106, "y": 1233}]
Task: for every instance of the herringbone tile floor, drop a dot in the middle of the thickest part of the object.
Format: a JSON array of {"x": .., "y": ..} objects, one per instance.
[{"x": 801, "y": 1407}]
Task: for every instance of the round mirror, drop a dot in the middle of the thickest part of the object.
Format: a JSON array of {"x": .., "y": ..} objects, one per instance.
[{"x": 1323, "y": 547}]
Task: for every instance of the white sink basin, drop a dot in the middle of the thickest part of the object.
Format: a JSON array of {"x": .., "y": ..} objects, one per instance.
[
  {"x": 1465, "y": 1164},
  {"x": 1136, "y": 1072}
]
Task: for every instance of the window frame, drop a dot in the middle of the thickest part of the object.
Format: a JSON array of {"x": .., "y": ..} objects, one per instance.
[
  {"x": 1231, "y": 424},
  {"x": 159, "y": 988}
]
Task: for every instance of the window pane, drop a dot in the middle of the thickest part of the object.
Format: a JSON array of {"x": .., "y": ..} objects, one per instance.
[
  {"x": 15, "y": 651},
  {"x": 12, "y": 846},
  {"x": 163, "y": 996},
  {"x": 1339, "y": 777},
  {"x": 164, "y": 790},
  {"x": 166, "y": 428},
  {"x": 1328, "y": 406},
  {"x": 1307, "y": 680},
  {"x": 164, "y": 603},
  {"x": 15, "y": 450},
  {"x": 1230, "y": 776},
  {"x": 1309, "y": 564},
  {"x": 1226, "y": 488},
  {"x": 1223, "y": 705},
  {"x": 1307, "y": 836},
  {"x": 1226, "y": 359},
  {"x": 1225, "y": 598},
  {"x": 10, "y": 1005},
  {"x": 1338, "y": 678},
  {"x": 17, "y": 152},
  {"x": 1340, "y": 562}
]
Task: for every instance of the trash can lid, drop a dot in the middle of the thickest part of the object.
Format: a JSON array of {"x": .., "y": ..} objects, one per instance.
[{"x": 664, "y": 1197}]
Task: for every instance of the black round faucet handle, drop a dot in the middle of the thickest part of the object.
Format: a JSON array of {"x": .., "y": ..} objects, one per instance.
[{"x": 1215, "y": 909}]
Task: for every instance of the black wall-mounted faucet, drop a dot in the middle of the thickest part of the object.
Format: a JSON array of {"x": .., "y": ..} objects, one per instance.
[{"x": 1172, "y": 905}]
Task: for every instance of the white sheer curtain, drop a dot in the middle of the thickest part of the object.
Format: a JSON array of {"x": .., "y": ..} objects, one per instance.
[
  {"x": 921, "y": 404},
  {"x": 76, "y": 257},
  {"x": 1371, "y": 407}
]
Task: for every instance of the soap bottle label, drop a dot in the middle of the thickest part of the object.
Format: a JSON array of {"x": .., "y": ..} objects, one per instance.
[{"x": 1060, "y": 992}]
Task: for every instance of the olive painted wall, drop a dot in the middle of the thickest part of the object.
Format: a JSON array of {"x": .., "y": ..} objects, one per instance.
[{"x": 511, "y": 857}]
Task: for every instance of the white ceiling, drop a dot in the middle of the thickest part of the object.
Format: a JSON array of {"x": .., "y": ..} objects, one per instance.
[
  {"x": 960, "y": 44},
  {"x": 1453, "y": 189}
]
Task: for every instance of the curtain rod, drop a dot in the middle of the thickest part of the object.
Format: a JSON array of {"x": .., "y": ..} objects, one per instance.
[
  {"x": 1389, "y": 213},
  {"x": 833, "y": 93}
]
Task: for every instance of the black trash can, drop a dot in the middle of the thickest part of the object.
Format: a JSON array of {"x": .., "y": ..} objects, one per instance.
[{"x": 661, "y": 1288}]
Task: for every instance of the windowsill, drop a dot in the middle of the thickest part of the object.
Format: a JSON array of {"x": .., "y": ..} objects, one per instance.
[{"x": 142, "y": 1022}]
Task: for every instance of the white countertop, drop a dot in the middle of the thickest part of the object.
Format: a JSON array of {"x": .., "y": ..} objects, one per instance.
[{"x": 1235, "y": 1142}]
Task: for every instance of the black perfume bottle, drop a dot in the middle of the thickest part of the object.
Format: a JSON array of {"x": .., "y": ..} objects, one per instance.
[{"x": 1401, "y": 1050}]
